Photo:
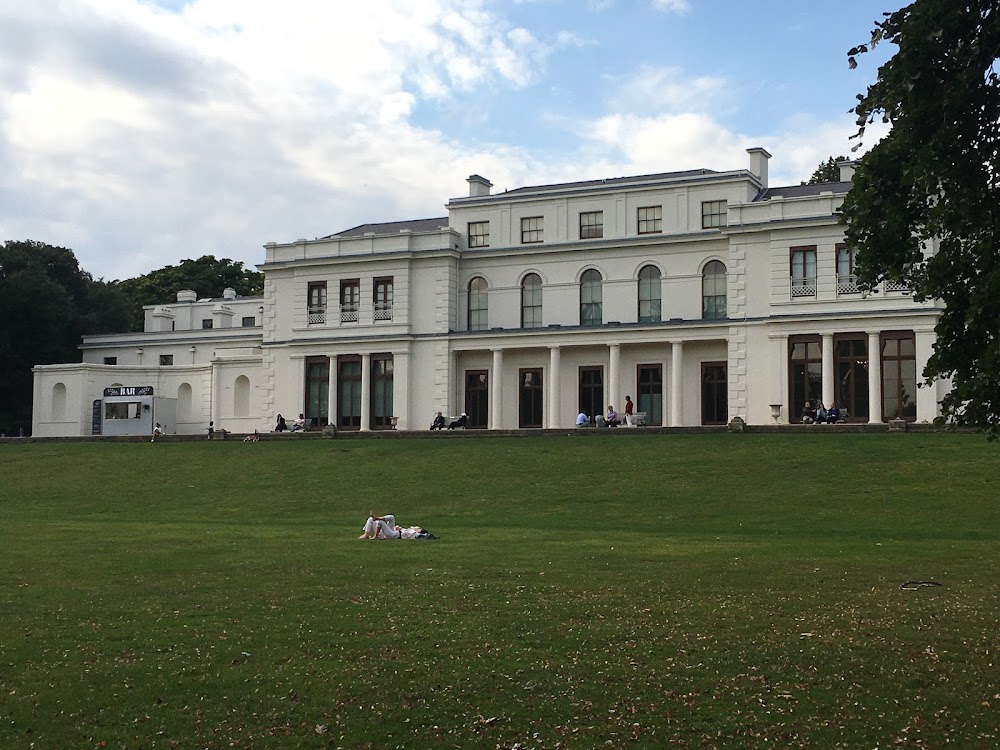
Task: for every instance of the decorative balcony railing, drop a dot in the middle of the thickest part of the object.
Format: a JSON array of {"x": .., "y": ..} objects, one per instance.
[
  {"x": 383, "y": 312},
  {"x": 848, "y": 284},
  {"x": 896, "y": 286},
  {"x": 803, "y": 287},
  {"x": 348, "y": 315},
  {"x": 316, "y": 315}
]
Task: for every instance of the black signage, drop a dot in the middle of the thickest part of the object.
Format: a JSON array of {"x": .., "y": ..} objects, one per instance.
[
  {"x": 129, "y": 390},
  {"x": 95, "y": 424}
]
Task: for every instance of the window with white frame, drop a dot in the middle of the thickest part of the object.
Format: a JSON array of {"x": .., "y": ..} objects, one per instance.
[
  {"x": 479, "y": 234},
  {"x": 383, "y": 298},
  {"x": 591, "y": 225},
  {"x": 350, "y": 300},
  {"x": 713, "y": 214},
  {"x": 316, "y": 302},
  {"x": 591, "y": 298},
  {"x": 478, "y": 304},
  {"x": 802, "y": 261},
  {"x": 649, "y": 295},
  {"x": 650, "y": 220},
  {"x": 713, "y": 291},
  {"x": 531, "y": 301},
  {"x": 532, "y": 229},
  {"x": 847, "y": 279}
]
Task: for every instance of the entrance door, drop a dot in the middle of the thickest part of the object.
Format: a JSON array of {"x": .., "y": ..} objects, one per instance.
[
  {"x": 714, "y": 393},
  {"x": 477, "y": 398},
  {"x": 317, "y": 391},
  {"x": 349, "y": 393},
  {"x": 592, "y": 391},
  {"x": 650, "y": 395},
  {"x": 530, "y": 398}
]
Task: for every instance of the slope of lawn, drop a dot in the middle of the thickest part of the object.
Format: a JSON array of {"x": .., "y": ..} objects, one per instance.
[{"x": 640, "y": 592}]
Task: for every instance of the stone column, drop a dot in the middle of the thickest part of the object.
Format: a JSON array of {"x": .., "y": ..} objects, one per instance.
[
  {"x": 401, "y": 389},
  {"x": 614, "y": 377},
  {"x": 496, "y": 391},
  {"x": 676, "y": 365},
  {"x": 555, "y": 357},
  {"x": 874, "y": 379},
  {"x": 366, "y": 384},
  {"x": 927, "y": 400},
  {"x": 331, "y": 399},
  {"x": 828, "y": 374}
]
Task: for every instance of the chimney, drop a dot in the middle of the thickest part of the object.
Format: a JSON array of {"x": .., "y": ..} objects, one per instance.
[
  {"x": 758, "y": 164},
  {"x": 187, "y": 295},
  {"x": 229, "y": 293},
  {"x": 478, "y": 186},
  {"x": 846, "y": 170}
]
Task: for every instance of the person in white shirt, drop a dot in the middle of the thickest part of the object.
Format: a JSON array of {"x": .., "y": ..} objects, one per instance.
[
  {"x": 384, "y": 527},
  {"x": 299, "y": 425},
  {"x": 157, "y": 431},
  {"x": 582, "y": 419}
]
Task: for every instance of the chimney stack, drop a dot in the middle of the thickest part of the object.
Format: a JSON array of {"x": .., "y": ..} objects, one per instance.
[
  {"x": 846, "y": 170},
  {"x": 478, "y": 186},
  {"x": 758, "y": 164}
]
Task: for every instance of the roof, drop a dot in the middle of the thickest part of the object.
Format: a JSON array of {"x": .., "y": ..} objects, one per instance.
[
  {"x": 803, "y": 191},
  {"x": 608, "y": 181},
  {"x": 392, "y": 227}
]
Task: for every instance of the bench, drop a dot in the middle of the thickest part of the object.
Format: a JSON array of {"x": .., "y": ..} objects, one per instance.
[{"x": 637, "y": 419}]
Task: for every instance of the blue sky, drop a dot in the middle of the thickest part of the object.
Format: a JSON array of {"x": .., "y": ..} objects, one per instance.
[{"x": 142, "y": 132}]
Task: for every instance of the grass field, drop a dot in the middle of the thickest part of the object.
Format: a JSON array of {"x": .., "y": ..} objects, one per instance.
[{"x": 651, "y": 591}]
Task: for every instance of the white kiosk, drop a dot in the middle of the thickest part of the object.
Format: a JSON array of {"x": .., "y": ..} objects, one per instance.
[{"x": 134, "y": 409}]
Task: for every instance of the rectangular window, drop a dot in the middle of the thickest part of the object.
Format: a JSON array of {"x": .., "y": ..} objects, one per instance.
[
  {"x": 847, "y": 279},
  {"x": 316, "y": 303},
  {"x": 802, "y": 261},
  {"x": 591, "y": 225},
  {"x": 532, "y": 229},
  {"x": 111, "y": 360},
  {"x": 650, "y": 396},
  {"x": 479, "y": 234},
  {"x": 350, "y": 300},
  {"x": 166, "y": 360},
  {"x": 713, "y": 214},
  {"x": 317, "y": 391},
  {"x": 207, "y": 323},
  {"x": 249, "y": 322},
  {"x": 530, "y": 398},
  {"x": 899, "y": 376},
  {"x": 477, "y": 397},
  {"x": 650, "y": 220},
  {"x": 381, "y": 398},
  {"x": 805, "y": 374},
  {"x": 850, "y": 363},
  {"x": 349, "y": 393},
  {"x": 714, "y": 393},
  {"x": 123, "y": 410},
  {"x": 383, "y": 298}
]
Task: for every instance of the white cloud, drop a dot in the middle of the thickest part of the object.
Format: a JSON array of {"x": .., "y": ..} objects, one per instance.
[
  {"x": 673, "y": 6},
  {"x": 670, "y": 89}
]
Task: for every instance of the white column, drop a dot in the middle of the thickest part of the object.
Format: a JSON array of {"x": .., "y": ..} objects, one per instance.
[
  {"x": 496, "y": 390},
  {"x": 676, "y": 364},
  {"x": 401, "y": 389},
  {"x": 555, "y": 356},
  {"x": 614, "y": 377},
  {"x": 927, "y": 400},
  {"x": 366, "y": 377},
  {"x": 331, "y": 399},
  {"x": 874, "y": 379},
  {"x": 828, "y": 376}
]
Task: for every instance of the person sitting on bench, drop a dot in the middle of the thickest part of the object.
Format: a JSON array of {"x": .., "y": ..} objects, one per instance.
[{"x": 462, "y": 421}]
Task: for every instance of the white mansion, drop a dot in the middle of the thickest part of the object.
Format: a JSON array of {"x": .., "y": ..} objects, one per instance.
[{"x": 703, "y": 295}]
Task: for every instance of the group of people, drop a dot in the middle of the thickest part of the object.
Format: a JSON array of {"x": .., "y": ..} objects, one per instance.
[
  {"x": 819, "y": 414},
  {"x": 440, "y": 423},
  {"x": 611, "y": 419},
  {"x": 299, "y": 425}
]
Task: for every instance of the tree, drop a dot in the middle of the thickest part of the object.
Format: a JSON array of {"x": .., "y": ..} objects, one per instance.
[
  {"x": 47, "y": 302},
  {"x": 827, "y": 171},
  {"x": 206, "y": 276},
  {"x": 925, "y": 204}
]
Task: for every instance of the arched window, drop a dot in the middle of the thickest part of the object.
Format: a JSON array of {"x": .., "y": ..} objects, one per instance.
[
  {"x": 241, "y": 397},
  {"x": 649, "y": 295},
  {"x": 184, "y": 402},
  {"x": 531, "y": 301},
  {"x": 58, "y": 402},
  {"x": 713, "y": 291},
  {"x": 591, "y": 307},
  {"x": 478, "y": 304}
]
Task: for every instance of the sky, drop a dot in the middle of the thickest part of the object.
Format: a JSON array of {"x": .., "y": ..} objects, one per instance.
[{"x": 139, "y": 133}]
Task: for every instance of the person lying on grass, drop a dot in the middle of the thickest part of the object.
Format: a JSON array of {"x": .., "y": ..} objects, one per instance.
[{"x": 384, "y": 527}]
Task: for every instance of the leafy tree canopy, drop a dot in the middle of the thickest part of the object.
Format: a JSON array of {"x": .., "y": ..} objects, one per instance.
[
  {"x": 925, "y": 205},
  {"x": 827, "y": 171},
  {"x": 206, "y": 276},
  {"x": 47, "y": 302}
]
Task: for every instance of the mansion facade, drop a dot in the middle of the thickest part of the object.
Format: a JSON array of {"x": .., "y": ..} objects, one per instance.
[{"x": 703, "y": 295}]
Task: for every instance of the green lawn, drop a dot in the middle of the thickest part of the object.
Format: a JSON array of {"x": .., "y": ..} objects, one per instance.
[{"x": 631, "y": 591}]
